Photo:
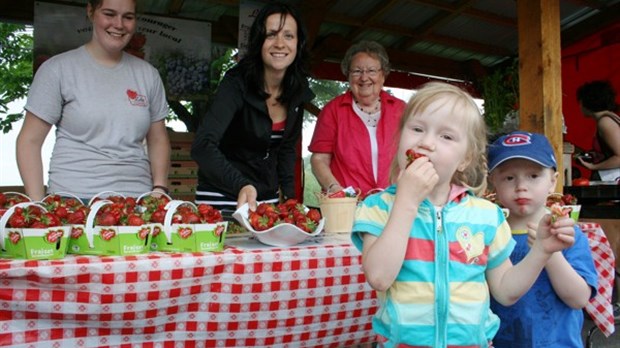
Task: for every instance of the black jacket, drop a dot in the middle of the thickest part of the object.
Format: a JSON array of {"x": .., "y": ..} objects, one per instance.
[{"x": 232, "y": 143}]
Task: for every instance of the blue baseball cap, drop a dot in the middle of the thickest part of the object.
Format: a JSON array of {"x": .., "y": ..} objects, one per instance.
[{"x": 530, "y": 146}]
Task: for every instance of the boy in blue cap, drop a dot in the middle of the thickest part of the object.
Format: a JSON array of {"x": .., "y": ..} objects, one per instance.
[{"x": 523, "y": 171}]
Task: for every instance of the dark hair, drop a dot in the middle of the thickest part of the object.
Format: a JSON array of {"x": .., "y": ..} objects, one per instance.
[
  {"x": 373, "y": 49},
  {"x": 296, "y": 74},
  {"x": 597, "y": 96}
]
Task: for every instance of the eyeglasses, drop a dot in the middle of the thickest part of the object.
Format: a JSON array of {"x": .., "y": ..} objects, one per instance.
[{"x": 372, "y": 72}]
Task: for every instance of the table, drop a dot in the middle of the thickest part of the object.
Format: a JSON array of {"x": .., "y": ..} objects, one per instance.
[
  {"x": 597, "y": 201},
  {"x": 600, "y": 307},
  {"x": 312, "y": 295}
]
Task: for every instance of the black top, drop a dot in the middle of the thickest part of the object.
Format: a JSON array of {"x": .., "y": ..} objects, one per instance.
[{"x": 233, "y": 146}]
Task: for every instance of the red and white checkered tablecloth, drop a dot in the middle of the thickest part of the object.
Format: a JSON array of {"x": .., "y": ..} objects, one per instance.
[
  {"x": 311, "y": 296},
  {"x": 600, "y": 307}
]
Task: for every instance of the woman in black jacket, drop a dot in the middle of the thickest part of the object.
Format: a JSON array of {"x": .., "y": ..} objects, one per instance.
[{"x": 245, "y": 146}]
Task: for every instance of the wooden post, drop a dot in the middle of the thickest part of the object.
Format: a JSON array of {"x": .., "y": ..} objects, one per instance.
[{"x": 540, "y": 75}]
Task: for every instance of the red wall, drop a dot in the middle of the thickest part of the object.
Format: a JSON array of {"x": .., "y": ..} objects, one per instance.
[{"x": 594, "y": 58}]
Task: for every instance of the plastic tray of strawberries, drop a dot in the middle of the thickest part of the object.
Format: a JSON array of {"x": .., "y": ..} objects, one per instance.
[{"x": 289, "y": 228}]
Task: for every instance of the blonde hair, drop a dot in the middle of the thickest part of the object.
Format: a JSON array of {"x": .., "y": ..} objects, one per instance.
[{"x": 474, "y": 175}]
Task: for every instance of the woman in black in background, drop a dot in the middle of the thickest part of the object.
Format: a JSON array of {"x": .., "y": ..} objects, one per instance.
[{"x": 245, "y": 146}]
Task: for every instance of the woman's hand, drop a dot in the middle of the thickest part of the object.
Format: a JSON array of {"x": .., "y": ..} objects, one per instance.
[
  {"x": 588, "y": 165},
  {"x": 247, "y": 195}
]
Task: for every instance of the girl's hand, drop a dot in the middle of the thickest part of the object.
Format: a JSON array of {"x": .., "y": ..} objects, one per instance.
[
  {"x": 417, "y": 180},
  {"x": 555, "y": 236}
]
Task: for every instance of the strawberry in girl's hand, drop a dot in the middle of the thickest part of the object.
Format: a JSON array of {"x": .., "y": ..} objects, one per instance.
[{"x": 412, "y": 156}]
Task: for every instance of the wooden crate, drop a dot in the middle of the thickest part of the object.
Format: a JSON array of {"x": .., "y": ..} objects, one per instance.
[{"x": 183, "y": 172}]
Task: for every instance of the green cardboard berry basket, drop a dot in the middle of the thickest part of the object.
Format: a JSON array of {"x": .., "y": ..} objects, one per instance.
[{"x": 171, "y": 237}]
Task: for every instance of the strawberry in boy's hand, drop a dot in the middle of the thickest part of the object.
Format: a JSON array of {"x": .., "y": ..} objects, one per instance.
[
  {"x": 412, "y": 156},
  {"x": 558, "y": 210}
]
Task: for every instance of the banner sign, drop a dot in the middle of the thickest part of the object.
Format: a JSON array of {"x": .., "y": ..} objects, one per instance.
[
  {"x": 167, "y": 43},
  {"x": 248, "y": 10}
]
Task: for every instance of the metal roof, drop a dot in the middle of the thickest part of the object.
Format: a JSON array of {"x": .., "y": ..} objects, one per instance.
[{"x": 422, "y": 36}]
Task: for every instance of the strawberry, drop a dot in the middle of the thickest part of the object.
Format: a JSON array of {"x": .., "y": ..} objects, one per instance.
[
  {"x": 107, "y": 219},
  {"x": 558, "y": 211},
  {"x": 37, "y": 224},
  {"x": 135, "y": 220},
  {"x": 208, "y": 214},
  {"x": 50, "y": 219},
  {"x": 190, "y": 218},
  {"x": 337, "y": 194},
  {"x": 61, "y": 212},
  {"x": 158, "y": 216},
  {"x": 306, "y": 225},
  {"x": 412, "y": 156},
  {"x": 77, "y": 217},
  {"x": 314, "y": 215},
  {"x": 260, "y": 222},
  {"x": 265, "y": 208},
  {"x": 19, "y": 219}
]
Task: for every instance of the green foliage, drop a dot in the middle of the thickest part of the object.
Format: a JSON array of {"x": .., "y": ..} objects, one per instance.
[
  {"x": 16, "y": 44},
  {"x": 311, "y": 185},
  {"x": 500, "y": 91},
  {"x": 325, "y": 90}
]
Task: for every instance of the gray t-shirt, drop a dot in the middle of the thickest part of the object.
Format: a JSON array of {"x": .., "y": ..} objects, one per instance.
[{"x": 102, "y": 116}]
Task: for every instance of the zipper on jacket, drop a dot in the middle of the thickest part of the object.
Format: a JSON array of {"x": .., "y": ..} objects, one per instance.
[{"x": 442, "y": 284}]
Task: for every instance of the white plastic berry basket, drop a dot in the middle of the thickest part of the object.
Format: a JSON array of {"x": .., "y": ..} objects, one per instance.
[{"x": 282, "y": 235}]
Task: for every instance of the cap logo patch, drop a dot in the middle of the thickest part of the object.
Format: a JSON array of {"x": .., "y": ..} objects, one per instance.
[{"x": 517, "y": 140}]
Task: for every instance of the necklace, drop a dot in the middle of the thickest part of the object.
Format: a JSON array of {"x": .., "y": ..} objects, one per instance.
[
  {"x": 372, "y": 110},
  {"x": 369, "y": 117}
]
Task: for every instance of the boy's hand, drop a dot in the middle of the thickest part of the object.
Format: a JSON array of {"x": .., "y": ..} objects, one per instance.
[
  {"x": 555, "y": 236},
  {"x": 531, "y": 233}
]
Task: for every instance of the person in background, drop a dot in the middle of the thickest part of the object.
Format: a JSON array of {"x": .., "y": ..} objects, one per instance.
[
  {"x": 598, "y": 101},
  {"x": 105, "y": 104},
  {"x": 433, "y": 250},
  {"x": 245, "y": 146},
  {"x": 522, "y": 169},
  {"x": 354, "y": 139}
]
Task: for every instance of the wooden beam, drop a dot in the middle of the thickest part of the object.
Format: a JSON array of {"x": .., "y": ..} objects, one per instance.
[
  {"x": 313, "y": 13},
  {"x": 472, "y": 12},
  {"x": 540, "y": 75},
  {"x": 436, "y": 22},
  {"x": 404, "y": 32},
  {"x": 374, "y": 14},
  {"x": 334, "y": 46}
]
